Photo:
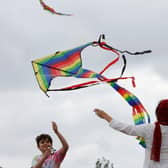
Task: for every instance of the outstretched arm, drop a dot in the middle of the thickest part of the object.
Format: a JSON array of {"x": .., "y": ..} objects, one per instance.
[
  {"x": 64, "y": 143},
  {"x": 120, "y": 126},
  {"x": 103, "y": 115}
]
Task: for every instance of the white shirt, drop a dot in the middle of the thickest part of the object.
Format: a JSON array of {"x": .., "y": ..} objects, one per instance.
[{"x": 146, "y": 131}]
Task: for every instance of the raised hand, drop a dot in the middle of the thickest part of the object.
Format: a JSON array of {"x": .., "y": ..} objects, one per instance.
[
  {"x": 54, "y": 126},
  {"x": 103, "y": 115}
]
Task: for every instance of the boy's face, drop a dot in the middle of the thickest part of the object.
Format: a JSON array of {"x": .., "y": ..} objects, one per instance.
[{"x": 44, "y": 144}]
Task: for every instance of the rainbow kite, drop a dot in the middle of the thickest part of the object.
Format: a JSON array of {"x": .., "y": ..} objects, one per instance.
[
  {"x": 68, "y": 63},
  {"x": 51, "y": 10}
]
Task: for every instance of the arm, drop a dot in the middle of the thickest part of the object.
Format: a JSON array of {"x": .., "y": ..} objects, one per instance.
[
  {"x": 64, "y": 143},
  {"x": 122, "y": 127}
]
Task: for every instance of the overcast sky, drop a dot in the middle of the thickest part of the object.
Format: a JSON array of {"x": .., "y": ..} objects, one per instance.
[{"x": 27, "y": 32}]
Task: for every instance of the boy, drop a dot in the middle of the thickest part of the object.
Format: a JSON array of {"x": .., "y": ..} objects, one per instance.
[{"x": 49, "y": 158}]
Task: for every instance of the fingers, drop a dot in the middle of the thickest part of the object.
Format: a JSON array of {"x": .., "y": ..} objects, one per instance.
[
  {"x": 47, "y": 152},
  {"x": 103, "y": 115},
  {"x": 54, "y": 127},
  {"x": 53, "y": 123},
  {"x": 97, "y": 110}
]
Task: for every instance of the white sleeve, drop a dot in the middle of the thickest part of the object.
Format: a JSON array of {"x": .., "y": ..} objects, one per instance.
[
  {"x": 134, "y": 130},
  {"x": 34, "y": 161}
]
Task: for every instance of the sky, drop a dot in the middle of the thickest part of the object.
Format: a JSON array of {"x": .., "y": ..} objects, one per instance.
[{"x": 28, "y": 32}]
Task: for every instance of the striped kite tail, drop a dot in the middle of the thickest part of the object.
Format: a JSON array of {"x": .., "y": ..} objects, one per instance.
[{"x": 139, "y": 113}]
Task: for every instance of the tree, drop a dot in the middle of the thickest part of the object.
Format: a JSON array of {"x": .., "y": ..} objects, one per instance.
[{"x": 103, "y": 163}]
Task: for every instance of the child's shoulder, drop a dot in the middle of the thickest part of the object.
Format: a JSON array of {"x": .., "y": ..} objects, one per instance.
[{"x": 36, "y": 157}]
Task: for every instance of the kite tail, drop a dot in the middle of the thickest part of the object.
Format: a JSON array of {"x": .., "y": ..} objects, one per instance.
[{"x": 139, "y": 113}]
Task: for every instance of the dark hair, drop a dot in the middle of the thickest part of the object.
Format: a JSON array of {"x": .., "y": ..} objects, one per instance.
[
  {"x": 43, "y": 137},
  {"x": 162, "y": 111}
]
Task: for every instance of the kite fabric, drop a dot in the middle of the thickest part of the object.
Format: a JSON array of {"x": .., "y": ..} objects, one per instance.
[
  {"x": 52, "y": 10},
  {"x": 68, "y": 63}
]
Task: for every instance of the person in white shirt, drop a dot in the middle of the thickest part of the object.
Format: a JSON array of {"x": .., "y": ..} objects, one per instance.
[{"x": 155, "y": 135}]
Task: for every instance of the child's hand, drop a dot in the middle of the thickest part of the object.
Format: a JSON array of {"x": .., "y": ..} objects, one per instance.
[
  {"x": 47, "y": 153},
  {"x": 103, "y": 115},
  {"x": 54, "y": 127}
]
